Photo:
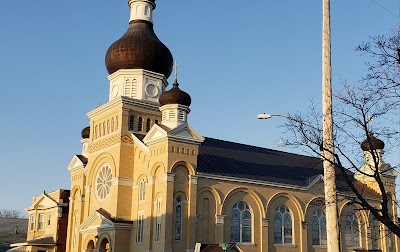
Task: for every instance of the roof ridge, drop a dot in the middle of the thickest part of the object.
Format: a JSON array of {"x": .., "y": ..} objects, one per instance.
[{"x": 259, "y": 147}]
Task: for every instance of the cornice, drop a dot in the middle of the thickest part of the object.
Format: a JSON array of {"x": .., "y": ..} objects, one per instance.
[{"x": 120, "y": 101}]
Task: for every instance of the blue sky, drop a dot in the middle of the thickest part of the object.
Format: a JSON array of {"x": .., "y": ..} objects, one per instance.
[{"x": 238, "y": 59}]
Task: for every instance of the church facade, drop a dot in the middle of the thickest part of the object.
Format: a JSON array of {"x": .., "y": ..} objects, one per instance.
[{"x": 146, "y": 180}]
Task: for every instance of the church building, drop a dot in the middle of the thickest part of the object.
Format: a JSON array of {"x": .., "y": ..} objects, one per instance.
[{"x": 147, "y": 181}]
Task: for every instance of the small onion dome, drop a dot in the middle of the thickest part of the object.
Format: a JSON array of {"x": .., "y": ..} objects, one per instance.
[
  {"x": 377, "y": 144},
  {"x": 86, "y": 132},
  {"x": 175, "y": 96},
  {"x": 139, "y": 48}
]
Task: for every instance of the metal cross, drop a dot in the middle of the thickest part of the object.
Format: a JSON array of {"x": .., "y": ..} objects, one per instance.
[
  {"x": 175, "y": 67},
  {"x": 369, "y": 123},
  {"x": 280, "y": 144}
]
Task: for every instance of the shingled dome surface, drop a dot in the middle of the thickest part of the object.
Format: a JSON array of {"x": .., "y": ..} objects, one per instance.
[
  {"x": 376, "y": 144},
  {"x": 139, "y": 48},
  {"x": 175, "y": 96}
]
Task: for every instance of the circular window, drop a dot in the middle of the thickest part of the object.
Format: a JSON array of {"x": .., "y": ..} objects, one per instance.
[
  {"x": 151, "y": 90},
  {"x": 103, "y": 182},
  {"x": 114, "y": 91}
]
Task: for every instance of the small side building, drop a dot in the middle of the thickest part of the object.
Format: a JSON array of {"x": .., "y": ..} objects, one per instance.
[{"x": 47, "y": 223}]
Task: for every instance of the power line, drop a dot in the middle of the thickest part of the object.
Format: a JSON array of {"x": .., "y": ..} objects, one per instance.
[{"x": 385, "y": 9}]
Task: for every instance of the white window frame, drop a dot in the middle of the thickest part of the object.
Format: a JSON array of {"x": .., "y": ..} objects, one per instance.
[
  {"x": 40, "y": 225},
  {"x": 242, "y": 225},
  {"x": 320, "y": 217},
  {"x": 142, "y": 190},
  {"x": 282, "y": 227},
  {"x": 140, "y": 228},
  {"x": 158, "y": 220},
  {"x": 32, "y": 222}
]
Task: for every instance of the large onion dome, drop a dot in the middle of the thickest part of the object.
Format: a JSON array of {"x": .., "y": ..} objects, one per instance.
[
  {"x": 376, "y": 144},
  {"x": 139, "y": 48},
  {"x": 175, "y": 96},
  {"x": 86, "y": 132}
]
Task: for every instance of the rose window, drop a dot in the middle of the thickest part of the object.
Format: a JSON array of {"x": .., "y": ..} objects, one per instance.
[{"x": 103, "y": 182}]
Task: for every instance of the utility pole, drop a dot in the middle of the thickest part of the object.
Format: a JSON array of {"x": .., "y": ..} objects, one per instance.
[{"x": 332, "y": 229}]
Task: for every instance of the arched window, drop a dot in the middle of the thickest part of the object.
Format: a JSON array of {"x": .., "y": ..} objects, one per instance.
[
  {"x": 104, "y": 245},
  {"x": 318, "y": 228},
  {"x": 140, "y": 228},
  {"x": 142, "y": 189},
  {"x": 148, "y": 121},
  {"x": 131, "y": 122},
  {"x": 282, "y": 226},
  {"x": 95, "y": 132},
  {"x": 375, "y": 234},
  {"x": 158, "y": 220},
  {"x": 108, "y": 126},
  {"x": 156, "y": 122},
  {"x": 76, "y": 229},
  {"x": 240, "y": 223},
  {"x": 351, "y": 231},
  {"x": 140, "y": 121},
  {"x": 178, "y": 218},
  {"x": 112, "y": 124}
]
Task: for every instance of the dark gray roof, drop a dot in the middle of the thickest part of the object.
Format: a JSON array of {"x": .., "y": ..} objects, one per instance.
[
  {"x": 83, "y": 159},
  {"x": 224, "y": 158},
  {"x": 219, "y": 157},
  {"x": 48, "y": 240}
]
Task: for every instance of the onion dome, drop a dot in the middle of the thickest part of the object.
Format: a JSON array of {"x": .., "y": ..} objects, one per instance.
[
  {"x": 377, "y": 144},
  {"x": 139, "y": 48},
  {"x": 175, "y": 96},
  {"x": 86, "y": 132}
]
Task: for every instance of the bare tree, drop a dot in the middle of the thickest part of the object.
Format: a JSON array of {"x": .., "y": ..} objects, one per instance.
[
  {"x": 383, "y": 53},
  {"x": 10, "y": 213},
  {"x": 363, "y": 114}
]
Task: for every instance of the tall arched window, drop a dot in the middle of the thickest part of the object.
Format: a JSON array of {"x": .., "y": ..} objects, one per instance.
[
  {"x": 282, "y": 226},
  {"x": 131, "y": 122},
  {"x": 142, "y": 189},
  {"x": 375, "y": 234},
  {"x": 158, "y": 220},
  {"x": 240, "y": 223},
  {"x": 178, "y": 218},
  {"x": 140, "y": 121},
  {"x": 351, "y": 231},
  {"x": 318, "y": 228},
  {"x": 148, "y": 121}
]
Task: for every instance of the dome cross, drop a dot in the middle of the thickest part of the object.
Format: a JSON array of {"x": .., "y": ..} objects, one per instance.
[{"x": 175, "y": 67}]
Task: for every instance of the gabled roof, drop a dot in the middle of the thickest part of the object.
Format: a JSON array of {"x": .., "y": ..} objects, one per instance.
[
  {"x": 235, "y": 160},
  {"x": 47, "y": 240},
  {"x": 102, "y": 220},
  {"x": 219, "y": 157}
]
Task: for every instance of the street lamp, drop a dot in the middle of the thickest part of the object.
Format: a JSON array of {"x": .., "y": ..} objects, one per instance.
[{"x": 265, "y": 116}]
